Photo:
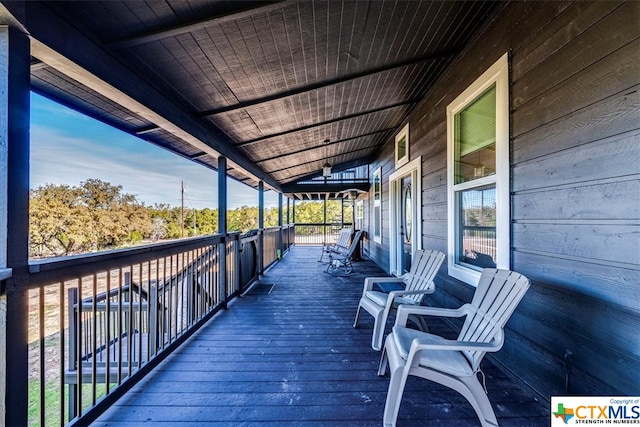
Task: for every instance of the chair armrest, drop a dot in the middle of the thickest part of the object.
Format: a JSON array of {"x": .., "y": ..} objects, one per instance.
[
  {"x": 370, "y": 281},
  {"x": 420, "y": 344},
  {"x": 404, "y": 311},
  {"x": 414, "y": 292}
]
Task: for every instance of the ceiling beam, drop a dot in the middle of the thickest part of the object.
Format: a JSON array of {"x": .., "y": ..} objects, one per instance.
[
  {"x": 322, "y": 159},
  {"x": 328, "y": 122},
  {"x": 323, "y": 188},
  {"x": 175, "y": 30},
  {"x": 60, "y": 45},
  {"x": 326, "y": 83},
  {"x": 337, "y": 168},
  {"x": 315, "y": 147}
]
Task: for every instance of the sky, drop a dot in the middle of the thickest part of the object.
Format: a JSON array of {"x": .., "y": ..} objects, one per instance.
[{"x": 68, "y": 147}]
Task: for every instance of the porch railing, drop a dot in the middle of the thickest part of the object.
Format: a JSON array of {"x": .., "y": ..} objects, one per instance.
[
  {"x": 99, "y": 322},
  {"x": 318, "y": 234}
]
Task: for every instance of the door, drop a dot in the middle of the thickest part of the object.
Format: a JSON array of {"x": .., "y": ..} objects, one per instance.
[{"x": 406, "y": 223}]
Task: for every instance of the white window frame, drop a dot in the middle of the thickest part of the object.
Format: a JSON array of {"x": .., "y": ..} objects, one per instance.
[
  {"x": 497, "y": 74},
  {"x": 377, "y": 203},
  {"x": 5, "y": 272},
  {"x": 359, "y": 207},
  {"x": 402, "y": 160}
]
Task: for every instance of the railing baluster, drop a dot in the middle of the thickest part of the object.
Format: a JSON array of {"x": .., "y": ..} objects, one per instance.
[
  {"x": 123, "y": 279},
  {"x": 107, "y": 337},
  {"x": 172, "y": 292},
  {"x": 140, "y": 325},
  {"x": 61, "y": 349},
  {"x": 129, "y": 319},
  {"x": 79, "y": 343},
  {"x": 41, "y": 343},
  {"x": 94, "y": 334},
  {"x": 170, "y": 308}
]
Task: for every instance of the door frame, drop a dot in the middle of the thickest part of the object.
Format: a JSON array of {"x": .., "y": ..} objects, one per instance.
[{"x": 396, "y": 243}]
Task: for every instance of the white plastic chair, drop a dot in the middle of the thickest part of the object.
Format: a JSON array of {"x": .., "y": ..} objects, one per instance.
[
  {"x": 340, "y": 245},
  {"x": 417, "y": 283},
  {"x": 454, "y": 364},
  {"x": 338, "y": 260}
]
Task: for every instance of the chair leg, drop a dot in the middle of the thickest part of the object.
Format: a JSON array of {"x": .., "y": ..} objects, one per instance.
[
  {"x": 378, "y": 331},
  {"x": 355, "y": 322},
  {"x": 394, "y": 395},
  {"x": 478, "y": 398},
  {"x": 384, "y": 361}
]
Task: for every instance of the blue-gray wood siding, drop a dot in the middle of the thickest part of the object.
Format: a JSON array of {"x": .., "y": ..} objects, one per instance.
[{"x": 575, "y": 188}]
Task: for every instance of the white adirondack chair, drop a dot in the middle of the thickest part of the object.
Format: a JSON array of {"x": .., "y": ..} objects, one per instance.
[
  {"x": 454, "y": 364},
  {"x": 342, "y": 260},
  {"x": 340, "y": 245},
  {"x": 417, "y": 283}
]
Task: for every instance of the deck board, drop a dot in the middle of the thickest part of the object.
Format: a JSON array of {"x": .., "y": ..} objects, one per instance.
[{"x": 291, "y": 357}]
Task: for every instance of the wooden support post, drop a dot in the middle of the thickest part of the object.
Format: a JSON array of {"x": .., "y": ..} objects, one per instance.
[
  {"x": 222, "y": 229},
  {"x": 281, "y": 232},
  {"x": 324, "y": 221},
  {"x": 289, "y": 241},
  {"x": 288, "y": 210},
  {"x": 260, "y": 228},
  {"x": 14, "y": 142}
]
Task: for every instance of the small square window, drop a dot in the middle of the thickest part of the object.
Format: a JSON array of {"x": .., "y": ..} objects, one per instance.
[{"x": 402, "y": 146}]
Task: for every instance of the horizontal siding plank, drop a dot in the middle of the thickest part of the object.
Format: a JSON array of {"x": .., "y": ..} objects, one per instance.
[
  {"x": 597, "y": 336},
  {"x": 610, "y": 284},
  {"x": 614, "y": 243},
  {"x": 614, "y": 115},
  {"x": 569, "y": 24},
  {"x": 607, "y": 201},
  {"x": 617, "y": 156},
  {"x": 579, "y": 54},
  {"x": 617, "y": 72},
  {"x": 434, "y": 195},
  {"x": 436, "y": 229}
]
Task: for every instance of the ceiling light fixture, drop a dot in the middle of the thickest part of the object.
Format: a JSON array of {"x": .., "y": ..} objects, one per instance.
[{"x": 326, "y": 167}]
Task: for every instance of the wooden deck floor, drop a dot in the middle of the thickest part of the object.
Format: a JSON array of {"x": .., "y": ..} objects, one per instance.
[{"x": 291, "y": 358}]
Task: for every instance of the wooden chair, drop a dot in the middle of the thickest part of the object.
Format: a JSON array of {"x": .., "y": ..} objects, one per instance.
[
  {"x": 417, "y": 283},
  {"x": 339, "y": 246},
  {"x": 342, "y": 260},
  {"x": 453, "y": 363}
]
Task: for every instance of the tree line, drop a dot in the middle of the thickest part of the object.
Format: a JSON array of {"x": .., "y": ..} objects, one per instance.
[{"x": 96, "y": 215}]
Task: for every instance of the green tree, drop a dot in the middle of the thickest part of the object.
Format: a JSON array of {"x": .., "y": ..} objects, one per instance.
[
  {"x": 57, "y": 221},
  {"x": 97, "y": 215}
]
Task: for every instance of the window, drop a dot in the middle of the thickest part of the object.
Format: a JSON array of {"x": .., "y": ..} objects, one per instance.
[
  {"x": 478, "y": 175},
  {"x": 402, "y": 146},
  {"x": 377, "y": 205}
]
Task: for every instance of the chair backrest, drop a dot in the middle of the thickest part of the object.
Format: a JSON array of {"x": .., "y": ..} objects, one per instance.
[
  {"x": 354, "y": 244},
  {"x": 424, "y": 267},
  {"x": 343, "y": 238},
  {"x": 496, "y": 298}
]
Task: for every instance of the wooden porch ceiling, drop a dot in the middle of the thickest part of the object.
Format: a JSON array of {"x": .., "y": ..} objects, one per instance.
[{"x": 262, "y": 83}]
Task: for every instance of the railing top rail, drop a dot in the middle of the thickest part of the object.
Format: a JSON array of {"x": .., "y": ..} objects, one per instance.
[
  {"x": 65, "y": 268},
  {"x": 336, "y": 224}
]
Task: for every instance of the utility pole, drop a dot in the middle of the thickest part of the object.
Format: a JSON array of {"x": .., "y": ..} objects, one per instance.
[
  {"x": 194, "y": 222},
  {"x": 181, "y": 208}
]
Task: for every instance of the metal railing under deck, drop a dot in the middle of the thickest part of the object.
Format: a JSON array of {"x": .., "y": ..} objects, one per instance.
[{"x": 99, "y": 322}]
